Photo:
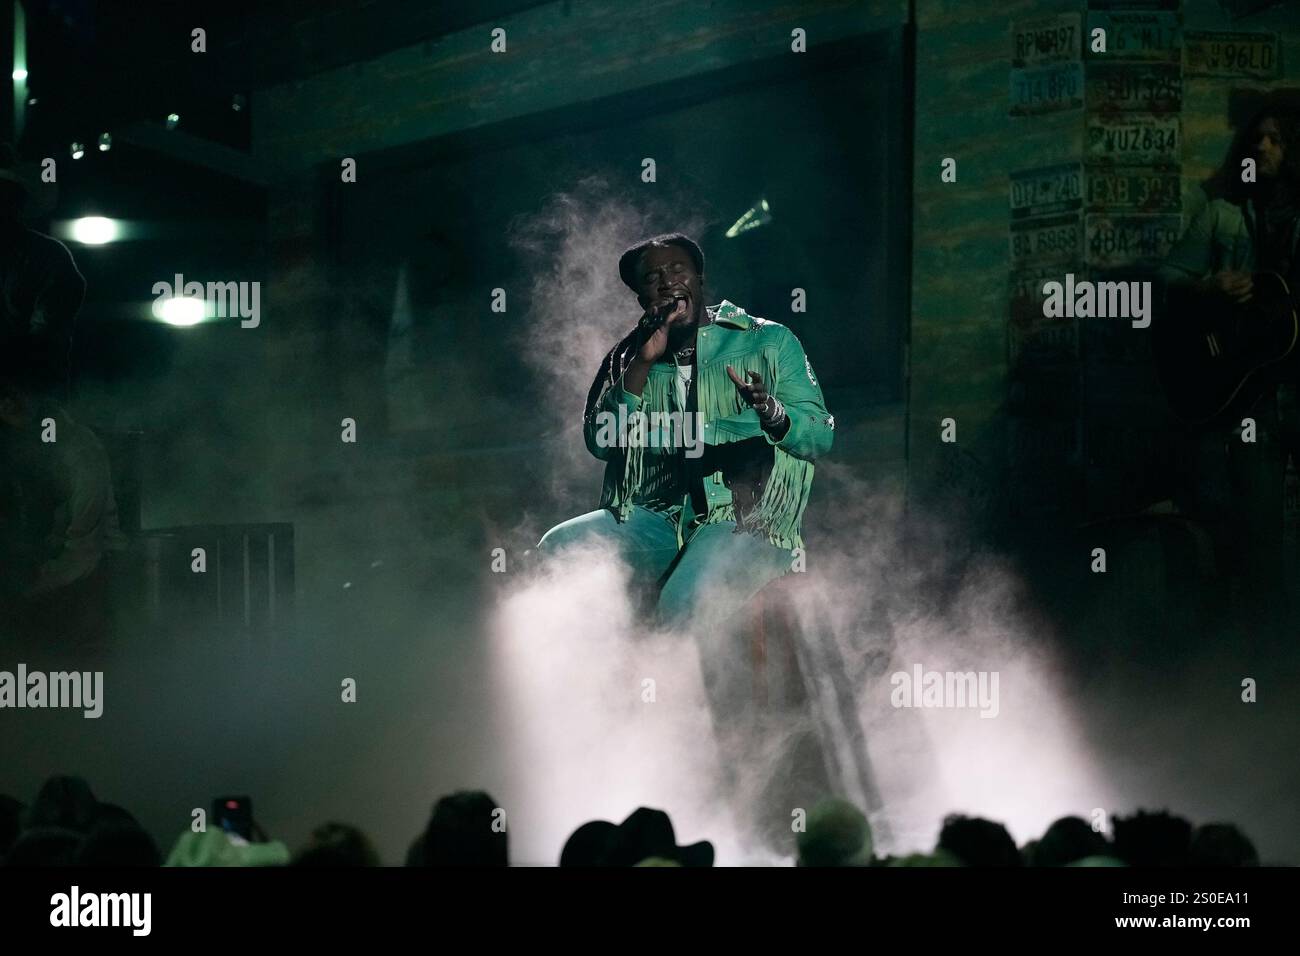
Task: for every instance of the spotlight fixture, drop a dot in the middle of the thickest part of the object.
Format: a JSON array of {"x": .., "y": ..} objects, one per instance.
[
  {"x": 172, "y": 120},
  {"x": 238, "y": 102},
  {"x": 94, "y": 230},
  {"x": 105, "y": 142},
  {"x": 78, "y": 150},
  {"x": 181, "y": 310},
  {"x": 759, "y": 214}
]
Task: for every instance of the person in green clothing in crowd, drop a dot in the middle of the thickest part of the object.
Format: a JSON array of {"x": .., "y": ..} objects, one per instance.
[{"x": 706, "y": 509}]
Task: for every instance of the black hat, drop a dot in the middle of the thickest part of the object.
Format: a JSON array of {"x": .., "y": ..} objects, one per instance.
[
  {"x": 588, "y": 845},
  {"x": 627, "y": 261},
  {"x": 649, "y": 833}
]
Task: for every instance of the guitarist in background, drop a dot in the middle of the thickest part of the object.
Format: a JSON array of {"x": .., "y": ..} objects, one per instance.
[{"x": 1236, "y": 488}]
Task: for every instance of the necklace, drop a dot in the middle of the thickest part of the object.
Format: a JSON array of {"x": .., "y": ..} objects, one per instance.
[{"x": 685, "y": 353}]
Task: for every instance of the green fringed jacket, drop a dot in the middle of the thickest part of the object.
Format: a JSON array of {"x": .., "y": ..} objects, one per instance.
[{"x": 658, "y": 474}]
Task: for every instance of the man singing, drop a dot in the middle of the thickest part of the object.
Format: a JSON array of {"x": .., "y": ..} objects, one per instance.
[{"x": 705, "y": 526}]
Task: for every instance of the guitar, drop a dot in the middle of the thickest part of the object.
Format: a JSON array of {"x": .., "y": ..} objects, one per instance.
[{"x": 1215, "y": 355}]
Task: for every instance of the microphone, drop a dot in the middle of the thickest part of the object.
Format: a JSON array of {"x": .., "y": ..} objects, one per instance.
[
  {"x": 667, "y": 309},
  {"x": 657, "y": 315}
]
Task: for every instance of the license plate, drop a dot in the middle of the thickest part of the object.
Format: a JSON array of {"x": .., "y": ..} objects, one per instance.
[
  {"x": 1043, "y": 341},
  {"x": 1051, "y": 190},
  {"x": 1046, "y": 240},
  {"x": 1136, "y": 34},
  {"x": 1134, "y": 87},
  {"x": 1152, "y": 140},
  {"x": 1046, "y": 89},
  {"x": 1032, "y": 337},
  {"x": 1123, "y": 240},
  {"x": 1025, "y": 291},
  {"x": 1045, "y": 40},
  {"x": 1134, "y": 189},
  {"x": 1231, "y": 54}
]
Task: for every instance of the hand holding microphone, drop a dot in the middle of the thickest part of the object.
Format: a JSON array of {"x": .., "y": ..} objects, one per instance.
[{"x": 655, "y": 323}]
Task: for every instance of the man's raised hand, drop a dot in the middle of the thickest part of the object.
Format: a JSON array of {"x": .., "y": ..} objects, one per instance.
[{"x": 753, "y": 391}]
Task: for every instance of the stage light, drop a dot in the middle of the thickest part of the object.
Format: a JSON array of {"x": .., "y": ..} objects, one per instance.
[
  {"x": 180, "y": 311},
  {"x": 77, "y": 150},
  {"x": 20, "y": 75},
  {"x": 759, "y": 214},
  {"x": 172, "y": 120},
  {"x": 237, "y": 102},
  {"x": 32, "y": 101},
  {"x": 105, "y": 142},
  {"x": 94, "y": 230}
]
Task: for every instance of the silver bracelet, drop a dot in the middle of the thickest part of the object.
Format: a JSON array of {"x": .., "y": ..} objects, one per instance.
[{"x": 777, "y": 416}]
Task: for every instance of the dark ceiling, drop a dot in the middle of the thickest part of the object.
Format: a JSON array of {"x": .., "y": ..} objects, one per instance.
[{"x": 102, "y": 64}]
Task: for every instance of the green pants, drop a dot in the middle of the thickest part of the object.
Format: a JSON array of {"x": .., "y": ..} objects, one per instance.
[
  {"x": 702, "y": 584},
  {"x": 701, "y": 588}
]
